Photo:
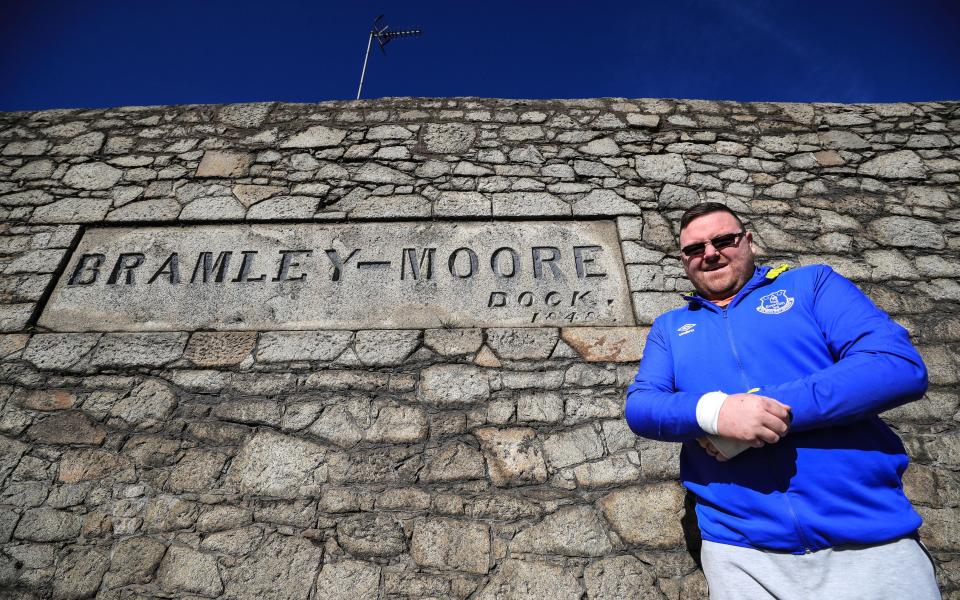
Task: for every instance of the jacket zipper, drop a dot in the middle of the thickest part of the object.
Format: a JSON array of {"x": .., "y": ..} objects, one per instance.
[
  {"x": 733, "y": 348},
  {"x": 746, "y": 386}
]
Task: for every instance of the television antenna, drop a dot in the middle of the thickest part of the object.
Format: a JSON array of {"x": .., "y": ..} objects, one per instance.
[{"x": 383, "y": 36}]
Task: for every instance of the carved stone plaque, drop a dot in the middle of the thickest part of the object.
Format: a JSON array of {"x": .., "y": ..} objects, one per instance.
[{"x": 343, "y": 276}]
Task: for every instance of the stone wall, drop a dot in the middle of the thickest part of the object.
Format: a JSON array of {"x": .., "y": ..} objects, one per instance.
[{"x": 481, "y": 462}]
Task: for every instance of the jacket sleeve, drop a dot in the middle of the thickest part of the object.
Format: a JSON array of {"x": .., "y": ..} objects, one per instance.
[
  {"x": 876, "y": 368},
  {"x": 654, "y": 408}
]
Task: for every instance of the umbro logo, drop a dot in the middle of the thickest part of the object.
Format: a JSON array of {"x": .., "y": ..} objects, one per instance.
[{"x": 685, "y": 329}]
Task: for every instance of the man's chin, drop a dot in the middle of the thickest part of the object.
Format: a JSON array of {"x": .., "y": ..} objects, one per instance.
[{"x": 718, "y": 290}]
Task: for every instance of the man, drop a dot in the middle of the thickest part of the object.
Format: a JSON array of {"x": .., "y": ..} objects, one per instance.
[{"x": 794, "y": 365}]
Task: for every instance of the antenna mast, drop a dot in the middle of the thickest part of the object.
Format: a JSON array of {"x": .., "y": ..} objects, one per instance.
[{"x": 383, "y": 36}]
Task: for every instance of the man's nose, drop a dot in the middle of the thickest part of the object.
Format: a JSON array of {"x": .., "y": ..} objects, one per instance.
[{"x": 710, "y": 252}]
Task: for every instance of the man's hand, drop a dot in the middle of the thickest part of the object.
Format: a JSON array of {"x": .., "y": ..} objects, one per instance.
[
  {"x": 707, "y": 445},
  {"x": 755, "y": 420}
]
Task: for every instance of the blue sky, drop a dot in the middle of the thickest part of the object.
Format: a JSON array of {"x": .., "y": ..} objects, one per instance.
[{"x": 97, "y": 53}]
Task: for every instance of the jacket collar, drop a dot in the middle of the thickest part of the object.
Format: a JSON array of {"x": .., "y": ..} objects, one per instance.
[{"x": 761, "y": 276}]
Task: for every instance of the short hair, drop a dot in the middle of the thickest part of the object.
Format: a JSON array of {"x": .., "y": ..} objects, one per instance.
[{"x": 705, "y": 209}]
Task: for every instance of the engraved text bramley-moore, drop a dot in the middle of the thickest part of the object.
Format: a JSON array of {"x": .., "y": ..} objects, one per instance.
[{"x": 370, "y": 275}]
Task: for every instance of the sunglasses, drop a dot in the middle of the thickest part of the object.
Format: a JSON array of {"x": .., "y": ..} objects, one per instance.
[{"x": 719, "y": 243}]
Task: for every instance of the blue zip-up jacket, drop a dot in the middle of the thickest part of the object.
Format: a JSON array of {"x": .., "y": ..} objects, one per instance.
[{"x": 810, "y": 339}]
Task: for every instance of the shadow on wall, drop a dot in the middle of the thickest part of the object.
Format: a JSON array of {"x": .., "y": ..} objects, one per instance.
[{"x": 691, "y": 529}]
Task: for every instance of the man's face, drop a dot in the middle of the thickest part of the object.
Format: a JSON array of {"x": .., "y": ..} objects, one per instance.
[{"x": 717, "y": 274}]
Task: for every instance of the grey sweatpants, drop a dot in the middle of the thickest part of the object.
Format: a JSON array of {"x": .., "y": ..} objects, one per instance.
[{"x": 899, "y": 569}]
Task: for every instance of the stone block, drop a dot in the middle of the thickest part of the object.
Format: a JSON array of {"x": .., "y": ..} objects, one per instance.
[
  {"x": 668, "y": 168},
  {"x": 134, "y": 560},
  {"x": 148, "y": 405},
  {"x": 588, "y": 376},
  {"x": 236, "y": 542},
  {"x": 571, "y": 531},
  {"x": 829, "y": 158},
  {"x": 284, "y": 207},
  {"x": 25, "y": 494},
  {"x": 92, "y": 176},
  {"x": 169, "y": 513},
  {"x": 26, "y": 198},
  {"x": 138, "y": 349},
  {"x": 213, "y": 209},
  {"x": 92, "y": 464},
  {"x": 376, "y": 173},
  {"x": 411, "y": 584},
  {"x": 678, "y": 197},
  {"x": 26, "y": 148},
  {"x": 282, "y": 568},
  {"x": 163, "y": 209},
  {"x": 941, "y": 528},
  {"x": 903, "y": 164},
  {"x": 529, "y": 204},
  {"x": 546, "y": 407},
  {"x": 286, "y": 346},
  {"x": 611, "y": 471},
  {"x": 197, "y": 471},
  {"x": 600, "y": 147},
  {"x": 59, "y": 350},
  {"x": 522, "y": 343},
  {"x": 450, "y": 544},
  {"x": 272, "y": 464},
  {"x": 223, "y": 517},
  {"x": 47, "y": 525},
  {"x": 71, "y": 427},
  {"x": 453, "y": 342},
  {"x": 219, "y": 348},
  {"x": 387, "y": 347},
  {"x": 300, "y": 513},
  {"x": 658, "y": 460},
  {"x": 455, "y": 461},
  {"x": 453, "y": 385},
  {"x": 82, "y": 145},
  {"x": 486, "y": 358},
  {"x": 185, "y": 570},
  {"x": 79, "y": 573},
  {"x": 348, "y": 580},
  {"x": 395, "y": 423},
  {"x": 317, "y": 136},
  {"x": 447, "y": 138},
  {"x": 368, "y": 535},
  {"x": 523, "y": 580},
  {"x": 265, "y": 412},
  {"x": 343, "y": 423},
  {"x": 647, "y": 516},
  {"x": 462, "y": 204},
  {"x": 16, "y": 317},
  {"x": 45, "y": 400},
  {"x": 404, "y": 498},
  {"x": 650, "y": 305},
  {"x": 222, "y": 163},
  {"x": 571, "y": 447},
  {"x": 658, "y": 233},
  {"x": 907, "y": 232},
  {"x": 249, "y": 194},
  {"x": 513, "y": 456},
  {"x": 929, "y": 197},
  {"x": 620, "y": 578},
  {"x": 246, "y": 115},
  {"x": 607, "y": 344},
  {"x": 521, "y": 133},
  {"x": 605, "y": 202}
]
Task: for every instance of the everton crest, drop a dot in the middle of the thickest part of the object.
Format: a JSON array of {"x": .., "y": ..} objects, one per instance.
[{"x": 775, "y": 303}]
